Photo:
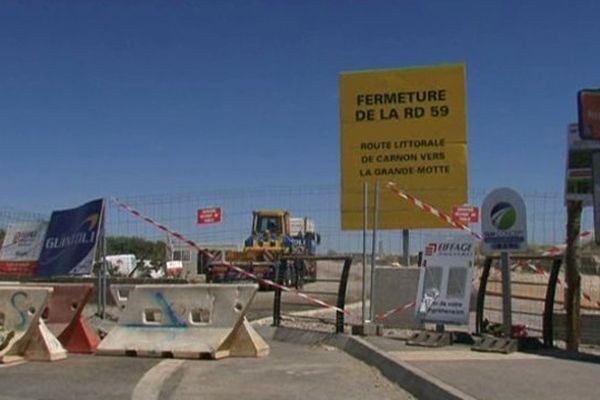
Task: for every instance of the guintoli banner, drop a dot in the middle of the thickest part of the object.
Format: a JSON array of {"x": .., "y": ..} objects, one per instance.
[
  {"x": 407, "y": 126},
  {"x": 21, "y": 248},
  {"x": 71, "y": 238},
  {"x": 444, "y": 290}
]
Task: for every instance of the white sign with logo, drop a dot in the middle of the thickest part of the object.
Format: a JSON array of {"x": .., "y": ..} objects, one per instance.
[
  {"x": 23, "y": 241},
  {"x": 579, "y": 176},
  {"x": 503, "y": 221},
  {"x": 445, "y": 281}
]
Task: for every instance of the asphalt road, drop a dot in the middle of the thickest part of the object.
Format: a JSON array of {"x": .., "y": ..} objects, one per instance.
[
  {"x": 77, "y": 377},
  {"x": 290, "y": 371}
]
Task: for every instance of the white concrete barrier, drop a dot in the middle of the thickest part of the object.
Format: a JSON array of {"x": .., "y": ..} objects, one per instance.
[
  {"x": 23, "y": 335},
  {"x": 185, "y": 321},
  {"x": 44, "y": 346},
  {"x": 120, "y": 294}
]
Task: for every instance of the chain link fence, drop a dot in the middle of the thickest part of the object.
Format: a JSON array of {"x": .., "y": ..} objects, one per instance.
[
  {"x": 545, "y": 212},
  {"x": 546, "y": 217}
]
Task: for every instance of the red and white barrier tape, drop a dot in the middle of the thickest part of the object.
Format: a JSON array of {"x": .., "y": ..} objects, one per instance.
[
  {"x": 585, "y": 236},
  {"x": 205, "y": 252},
  {"x": 563, "y": 285},
  {"x": 397, "y": 310},
  {"x": 431, "y": 210}
]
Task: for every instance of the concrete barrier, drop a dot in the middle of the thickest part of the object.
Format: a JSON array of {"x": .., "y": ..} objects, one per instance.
[
  {"x": 23, "y": 335},
  {"x": 394, "y": 287},
  {"x": 63, "y": 314},
  {"x": 65, "y": 320},
  {"x": 120, "y": 294},
  {"x": 185, "y": 321},
  {"x": 44, "y": 346}
]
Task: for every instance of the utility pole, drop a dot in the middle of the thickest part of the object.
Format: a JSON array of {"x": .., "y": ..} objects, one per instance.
[{"x": 572, "y": 277}]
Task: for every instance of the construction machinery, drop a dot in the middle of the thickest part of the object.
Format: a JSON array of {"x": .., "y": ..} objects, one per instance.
[{"x": 273, "y": 235}]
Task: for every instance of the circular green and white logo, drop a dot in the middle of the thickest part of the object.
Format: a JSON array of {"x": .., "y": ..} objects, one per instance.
[
  {"x": 503, "y": 215},
  {"x": 503, "y": 222}
]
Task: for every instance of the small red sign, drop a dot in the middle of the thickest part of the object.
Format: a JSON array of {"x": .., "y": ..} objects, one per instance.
[
  {"x": 589, "y": 114},
  {"x": 209, "y": 215},
  {"x": 466, "y": 214},
  {"x": 430, "y": 249}
]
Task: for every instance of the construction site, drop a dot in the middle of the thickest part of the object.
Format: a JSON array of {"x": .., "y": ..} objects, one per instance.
[
  {"x": 250, "y": 280},
  {"x": 299, "y": 200}
]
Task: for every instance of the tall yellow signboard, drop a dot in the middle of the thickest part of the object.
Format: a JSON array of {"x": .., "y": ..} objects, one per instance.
[{"x": 407, "y": 126}]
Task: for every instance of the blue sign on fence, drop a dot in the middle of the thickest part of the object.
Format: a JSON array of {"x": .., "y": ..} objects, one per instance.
[{"x": 70, "y": 243}]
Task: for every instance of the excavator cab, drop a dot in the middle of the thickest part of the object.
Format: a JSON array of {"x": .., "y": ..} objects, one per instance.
[
  {"x": 270, "y": 230},
  {"x": 268, "y": 224},
  {"x": 270, "y": 238}
]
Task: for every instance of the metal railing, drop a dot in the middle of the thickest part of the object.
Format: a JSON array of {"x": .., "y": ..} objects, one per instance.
[
  {"x": 529, "y": 308},
  {"x": 340, "y": 291}
]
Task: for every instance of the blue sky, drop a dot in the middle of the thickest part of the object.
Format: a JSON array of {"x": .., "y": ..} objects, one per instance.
[{"x": 124, "y": 97}]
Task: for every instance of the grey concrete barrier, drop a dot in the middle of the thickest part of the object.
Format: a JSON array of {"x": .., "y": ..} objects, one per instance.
[
  {"x": 395, "y": 287},
  {"x": 185, "y": 321}
]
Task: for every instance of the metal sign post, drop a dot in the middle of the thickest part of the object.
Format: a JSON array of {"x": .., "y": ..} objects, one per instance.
[
  {"x": 104, "y": 273},
  {"x": 102, "y": 270},
  {"x": 364, "y": 255},
  {"x": 405, "y": 247},
  {"x": 99, "y": 288},
  {"x": 506, "y": 295},
  {"x": 373, "y": 252}
]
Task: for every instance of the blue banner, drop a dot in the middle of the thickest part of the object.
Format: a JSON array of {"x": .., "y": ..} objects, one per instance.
[{"x": 70, "y": 243}]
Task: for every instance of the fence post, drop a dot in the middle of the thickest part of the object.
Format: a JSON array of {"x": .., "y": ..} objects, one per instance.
[
  {"x": 406, "y": 247},
  {"x": 481, "y": 295},
  {"x": 572, "y": 278},
  {"x": 277, "y": 295},
  {"x": 341, "y": 299},
  {"x": 548, "y": 328}
]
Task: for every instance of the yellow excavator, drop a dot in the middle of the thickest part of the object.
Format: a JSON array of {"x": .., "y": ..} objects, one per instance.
[{"x": 270, "y": 238}]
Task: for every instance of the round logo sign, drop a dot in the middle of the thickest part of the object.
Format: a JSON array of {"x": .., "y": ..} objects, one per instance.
[{"x": 503, "y": 215}]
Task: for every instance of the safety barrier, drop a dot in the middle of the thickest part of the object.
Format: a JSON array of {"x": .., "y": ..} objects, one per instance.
[
  {"x": 185, "y": 321},
  {"x": 65, "y": 320},
  {"x": 23, "y": 334},
  {"x": 120, "y": 294},
  {"x": 430, "y": 339},
  {"x": 393, "y": 286}
]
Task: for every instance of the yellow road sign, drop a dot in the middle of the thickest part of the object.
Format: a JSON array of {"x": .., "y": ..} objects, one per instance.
[{"x": 408, "y": 126}]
